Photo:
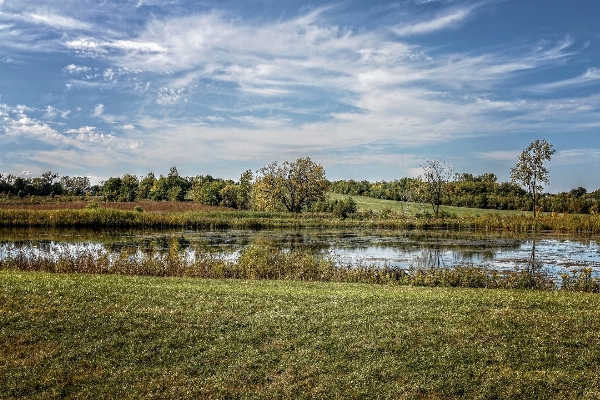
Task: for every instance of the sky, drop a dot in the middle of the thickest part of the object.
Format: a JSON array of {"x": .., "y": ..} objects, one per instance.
[{"x": 370, "y": 90}]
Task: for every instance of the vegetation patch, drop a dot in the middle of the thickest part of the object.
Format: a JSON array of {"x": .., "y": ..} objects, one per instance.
[{"x": 261, "y": 261}]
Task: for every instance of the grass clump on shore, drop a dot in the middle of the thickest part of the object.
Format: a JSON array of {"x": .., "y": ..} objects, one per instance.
[{"x": 106, "y": 336}]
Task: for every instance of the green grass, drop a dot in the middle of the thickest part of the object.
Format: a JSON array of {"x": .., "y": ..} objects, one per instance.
[
  {"x": 91, "y": 336},
  {"x": 364, "y": 203}
]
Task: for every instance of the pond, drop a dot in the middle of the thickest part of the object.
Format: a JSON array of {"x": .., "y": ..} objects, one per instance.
[{"x": 554, "y": 253}]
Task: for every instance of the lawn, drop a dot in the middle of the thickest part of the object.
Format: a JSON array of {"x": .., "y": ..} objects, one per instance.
[
  {"x": 364, "y": 203},
  {"x": 91, "y": 336}
]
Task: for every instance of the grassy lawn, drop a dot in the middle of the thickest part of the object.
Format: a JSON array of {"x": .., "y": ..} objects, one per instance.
[
  {"x": 91, "y": 336},
  {"x": 368, "y": 203}
]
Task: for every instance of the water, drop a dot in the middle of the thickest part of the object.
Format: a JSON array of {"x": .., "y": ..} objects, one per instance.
[{"x": 400, "y": 248}]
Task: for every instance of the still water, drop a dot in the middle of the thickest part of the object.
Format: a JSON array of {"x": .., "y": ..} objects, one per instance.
[{"x": 400, "y": 248}]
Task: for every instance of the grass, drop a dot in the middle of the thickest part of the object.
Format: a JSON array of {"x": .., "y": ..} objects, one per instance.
[
  {"x": 365, "y": 203},
  {"x": 107, "y": 336}
]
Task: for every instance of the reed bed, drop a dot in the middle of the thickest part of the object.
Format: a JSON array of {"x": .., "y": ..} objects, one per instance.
[
  {"x": 109, "y": 217},
  {"x": 259, "y": 262}
]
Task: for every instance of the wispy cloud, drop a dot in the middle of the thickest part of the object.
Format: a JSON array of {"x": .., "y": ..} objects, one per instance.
[
  {"x": 443, "y": 21},
  {"x": 90, "y": 44},
  {"x": 501, "y": 156},
  {"x": 56, "y": 21},
  {"x": 591, "y": 75}
]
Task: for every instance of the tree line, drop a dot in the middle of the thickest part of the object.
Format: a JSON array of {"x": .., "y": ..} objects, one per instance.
[
  {"x": 302, "y": 186},
  {"x": 289, "y": 186}
]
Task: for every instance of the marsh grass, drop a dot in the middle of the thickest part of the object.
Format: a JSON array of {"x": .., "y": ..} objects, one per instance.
[
  {"x": 263, "y": 262},
  {"x": 79, "y": 336},
  {"x": 107, "y": 217}
]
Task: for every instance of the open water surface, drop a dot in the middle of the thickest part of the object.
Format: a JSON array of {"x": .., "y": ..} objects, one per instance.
[{"x": 554, "y": 253}]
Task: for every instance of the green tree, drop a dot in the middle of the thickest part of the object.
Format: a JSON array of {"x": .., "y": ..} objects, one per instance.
[
  {"x": 111, "y": 189},
  {"x": 530, "y": 170},
  {"x": 434, "y": 181},
  {"x": 129, "y": 187},
  {"x": 145, "y": 186},
  {"x": 244, "y": 191},
  {"x": 177, "y": 186},
  {"x": 229, "y": 195},
  {"x": 291, "y": 186},
  {"x": 76, "y": 185}
]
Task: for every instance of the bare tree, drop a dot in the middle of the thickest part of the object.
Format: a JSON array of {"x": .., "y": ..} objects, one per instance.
[
  {"x": 436, "y": 175},
  {"x": 530, "y": 171}
]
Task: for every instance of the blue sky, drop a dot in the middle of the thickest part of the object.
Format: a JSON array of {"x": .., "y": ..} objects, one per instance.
[{"x": 367, "y": 89}]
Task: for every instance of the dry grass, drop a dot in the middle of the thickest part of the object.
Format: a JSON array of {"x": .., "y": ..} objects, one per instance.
[{"x": 78, "y": 204}]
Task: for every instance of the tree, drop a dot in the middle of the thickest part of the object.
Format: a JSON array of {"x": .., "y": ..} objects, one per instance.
[
  {"x": 111, "y": 189},
  {"x": 245, "y": 190},
  {"x": 76, "y": 185},
  {"x": 530, "y": 171},
  {"x": 436, "y": 175},
  {"x": 291, "y": 186},
  {"x": 129, "y": 187}
]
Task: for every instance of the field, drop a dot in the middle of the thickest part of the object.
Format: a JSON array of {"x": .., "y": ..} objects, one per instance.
[
  {"x": 91, "y": 336},
  {"x": 364, "y": 203}
]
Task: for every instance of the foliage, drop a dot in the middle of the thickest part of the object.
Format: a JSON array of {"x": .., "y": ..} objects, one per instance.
[
  {"x": 294, "y": 186},
  {"x": 172, "y": 187},
  {"x": 530, "y": 170},
  {"x": 145, "y": 186},
  {"x": 207, "y": 190},
  {"x": 76, "y": 185},
  {"x": 340, "y": 208},
  {"x": 434, "y": 181},
  {"x": 111, "y": 189},
  {"x": 44, "y": 185},
  {"x": 244, "y": 191}
]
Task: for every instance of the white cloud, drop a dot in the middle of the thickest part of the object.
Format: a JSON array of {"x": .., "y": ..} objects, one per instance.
[
  {"x": 444, "y": 21},
  {"x": 170, "y": 96},
  {"x": 76, "y": 69},
  {"x": 109, "y": 74},
  {"x": 98, "y": 110},
  {"x": 85, "y": 138},
  {"x": 56, "y": 21},
  {"x": 103, "y": 46},
  {"x": 128, "y": 127},
  {"x": 50, "y": 111}
]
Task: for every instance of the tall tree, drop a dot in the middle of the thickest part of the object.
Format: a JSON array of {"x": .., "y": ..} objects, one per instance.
[
  {"x": 294, "y": 186},
  {"x": 436, "y": 175},
  {"x": 530, "y": 171}
]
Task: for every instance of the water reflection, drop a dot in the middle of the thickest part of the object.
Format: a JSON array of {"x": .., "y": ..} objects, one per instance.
[{"x": 399, "y": 248}]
